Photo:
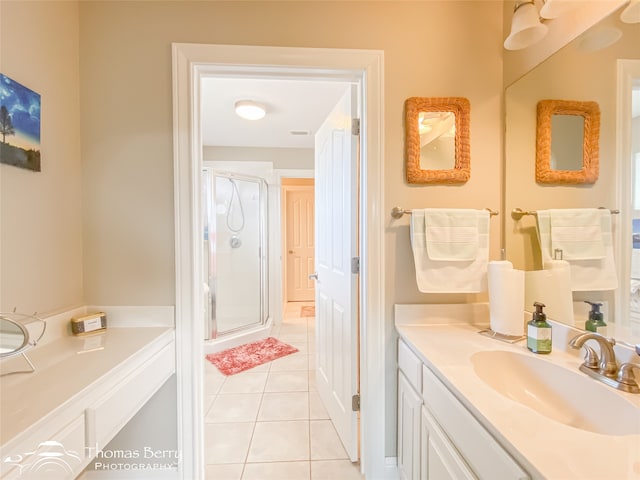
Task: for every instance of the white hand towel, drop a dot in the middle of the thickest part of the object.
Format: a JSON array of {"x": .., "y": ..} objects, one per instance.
[
  {"x": 586, "y": 274},
  {"x": 577, "y": 232},
  {"x": 451, "y": 234},
  {"x": 451, "y": 271}
]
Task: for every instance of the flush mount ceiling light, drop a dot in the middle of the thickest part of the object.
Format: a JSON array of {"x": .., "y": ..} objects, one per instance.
[
  {"x": 526, "y": 28},
  {"x": 250, "y": 110},
  {"x": 631, "y": 13}
]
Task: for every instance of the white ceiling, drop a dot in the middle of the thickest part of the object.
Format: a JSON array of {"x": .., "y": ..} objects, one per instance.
[{"x": 292, "y": 105}]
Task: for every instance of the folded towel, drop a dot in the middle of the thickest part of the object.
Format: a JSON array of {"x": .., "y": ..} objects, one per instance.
[
  {"x": 451, "y": 234},
  {"x": 451, "y": 253},
  {"x": 577, "y": 233},
  {"x": 587, "y": 274}
]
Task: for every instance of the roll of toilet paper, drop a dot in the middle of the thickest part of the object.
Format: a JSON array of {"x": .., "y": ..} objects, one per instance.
[
  {"x": 551, "y": 286},
  {"x": 506, "y": 298}
]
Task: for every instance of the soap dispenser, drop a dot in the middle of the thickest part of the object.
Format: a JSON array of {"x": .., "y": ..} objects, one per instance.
[
  {"x": 595, "y": 323},
  {"x": 539, "y": 331}
]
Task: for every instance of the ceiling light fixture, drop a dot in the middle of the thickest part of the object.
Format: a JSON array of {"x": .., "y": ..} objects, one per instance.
[
  {"x": 631, "y": 13},
  {"x": 250, "y": 110},
  {"x": 526, "y": 28}
]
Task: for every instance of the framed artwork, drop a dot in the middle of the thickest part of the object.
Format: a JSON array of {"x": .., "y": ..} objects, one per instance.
[{"x": 19, "y": 125}]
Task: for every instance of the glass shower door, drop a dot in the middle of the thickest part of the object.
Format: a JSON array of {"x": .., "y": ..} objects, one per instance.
[{"x": 235, "y": 258}]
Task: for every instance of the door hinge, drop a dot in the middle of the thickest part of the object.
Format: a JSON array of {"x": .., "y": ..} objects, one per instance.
[
  {"x": 355, "y": 403},
  {"x": 355, "y": 126},
  {"x": 355, "y": 264}
]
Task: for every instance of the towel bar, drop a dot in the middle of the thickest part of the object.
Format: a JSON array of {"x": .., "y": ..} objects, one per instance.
[
  {"x": 518, "y": 213},
  {"x": 398, "y": 212}
]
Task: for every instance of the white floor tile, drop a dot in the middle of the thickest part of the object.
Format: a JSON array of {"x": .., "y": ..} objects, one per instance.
[
  {"x": 325, "y": 443},
  {"x": 287, "y": 381},
  {"x": 227, "y": 442},
  {"x": 295, "y": 361},
  {"x": 284, "y": 406},
  {"x": 292, "y": 338},
  {"x": 300, "y": 344},
  {"x": 234, "y": 408},
  {"x": 244, "y": 382},
  {"x": 212, "y": 382},
  {"x": 279, "y": 441},
  {"x": 316, "y": 407},
  {"x": 224, "y": 472},
  {"x": 312, "y": 381},
  {"x": 312, "y": 362},
  {"x": 335, "y": 469},
  {"x": 277, "y": 471}
]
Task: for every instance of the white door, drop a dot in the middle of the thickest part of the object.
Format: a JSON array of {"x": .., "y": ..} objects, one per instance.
[
  {"x": 336, "y": 152},
  {"x": 300, "y": 244}
]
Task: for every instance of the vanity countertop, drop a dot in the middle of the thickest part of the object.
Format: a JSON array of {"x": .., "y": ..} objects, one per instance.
[
  {"x": 67, "y": 368},
  {"x": 446, "y": 341}
]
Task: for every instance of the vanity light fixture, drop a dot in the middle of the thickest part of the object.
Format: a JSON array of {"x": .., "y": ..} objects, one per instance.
[
  {"x": 250, "y": 110},
  {"x": 631, "y": 13},
  {"x": 526, "y": 27},
  {"x": 555, "y": 8}
]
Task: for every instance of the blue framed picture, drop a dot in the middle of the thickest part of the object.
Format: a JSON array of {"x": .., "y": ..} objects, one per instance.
[{"x": 19, "y": 125}]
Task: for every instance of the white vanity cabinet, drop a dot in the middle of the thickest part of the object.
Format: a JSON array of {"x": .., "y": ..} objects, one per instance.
[
  {"x": 55, "y": 420},
  {"x": 438, "y": 438},
  {"x": 409, "y": 407},
  {"x": 439, "y": 458}
]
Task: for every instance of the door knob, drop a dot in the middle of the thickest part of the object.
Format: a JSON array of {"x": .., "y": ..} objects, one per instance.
[
  {"x": 313, "y": 276},
  {"x": 290, "y": 251}
]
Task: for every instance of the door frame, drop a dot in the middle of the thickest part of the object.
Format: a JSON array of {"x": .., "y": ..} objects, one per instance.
[
  {"x": 628, "y": 75},
  {"x": 190, "y": 63}
]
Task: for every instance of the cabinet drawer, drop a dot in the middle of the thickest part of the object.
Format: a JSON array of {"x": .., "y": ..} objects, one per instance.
[
  {"x": 106, "y": 418},
  {"x": 480, "y": 450},
  {"x": 410, "y": 365},
  {"x": 62, "y": 456}
]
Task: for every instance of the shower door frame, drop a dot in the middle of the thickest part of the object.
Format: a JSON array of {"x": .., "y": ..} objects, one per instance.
[{"x": 209, "y": 196}]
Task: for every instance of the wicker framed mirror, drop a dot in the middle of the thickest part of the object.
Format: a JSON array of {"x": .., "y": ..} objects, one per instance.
[
  {"x": 567, "y": 142},
  {"x": 437, "y": 140}
]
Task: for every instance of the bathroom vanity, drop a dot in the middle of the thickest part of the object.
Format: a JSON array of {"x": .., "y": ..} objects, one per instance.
[
  {"x": 83, "y": 391},
  {"x": 470, "y": 406}
]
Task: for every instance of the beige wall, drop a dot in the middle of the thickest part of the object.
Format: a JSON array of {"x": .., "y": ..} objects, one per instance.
[
  {"x": 289, "y": 158},
  {"x": 431, "y": 48},
  {"x": 41, "y": 213}
]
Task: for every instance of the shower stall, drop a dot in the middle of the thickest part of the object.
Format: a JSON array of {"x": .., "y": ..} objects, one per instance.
[{"x": 235, "y": 259}]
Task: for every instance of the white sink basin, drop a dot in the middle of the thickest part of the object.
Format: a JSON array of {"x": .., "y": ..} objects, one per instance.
[{"x": 560, "y": 394}]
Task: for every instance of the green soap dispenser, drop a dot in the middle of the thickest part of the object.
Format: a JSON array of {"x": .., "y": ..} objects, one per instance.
[
  {"x": 596, "y": 319},
  {"x": 539, "y": 331}
]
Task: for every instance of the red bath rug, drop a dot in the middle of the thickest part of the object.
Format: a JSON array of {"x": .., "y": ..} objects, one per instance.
[{"x": 244, "y": 357}]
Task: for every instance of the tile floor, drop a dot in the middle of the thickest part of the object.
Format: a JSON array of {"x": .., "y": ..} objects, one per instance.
[{"x": 268, "y": 423}]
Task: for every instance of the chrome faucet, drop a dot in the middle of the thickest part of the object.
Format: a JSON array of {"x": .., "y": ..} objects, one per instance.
[{"x": 605, "y": 369}]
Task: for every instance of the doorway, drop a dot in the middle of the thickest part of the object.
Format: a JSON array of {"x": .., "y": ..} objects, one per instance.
[
  {"x": 298, "y": 239},
  {"x": 192, "y": 62}
]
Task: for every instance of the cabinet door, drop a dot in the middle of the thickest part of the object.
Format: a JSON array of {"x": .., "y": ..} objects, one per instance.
[
  {"x": 409, "y": 405},
  {"x": 439, "y": 458}
]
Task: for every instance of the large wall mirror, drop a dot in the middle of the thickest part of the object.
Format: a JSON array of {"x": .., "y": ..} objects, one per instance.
[
  {"x": 437, "y": 140},
  {"x": 585, "y": 70}
]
